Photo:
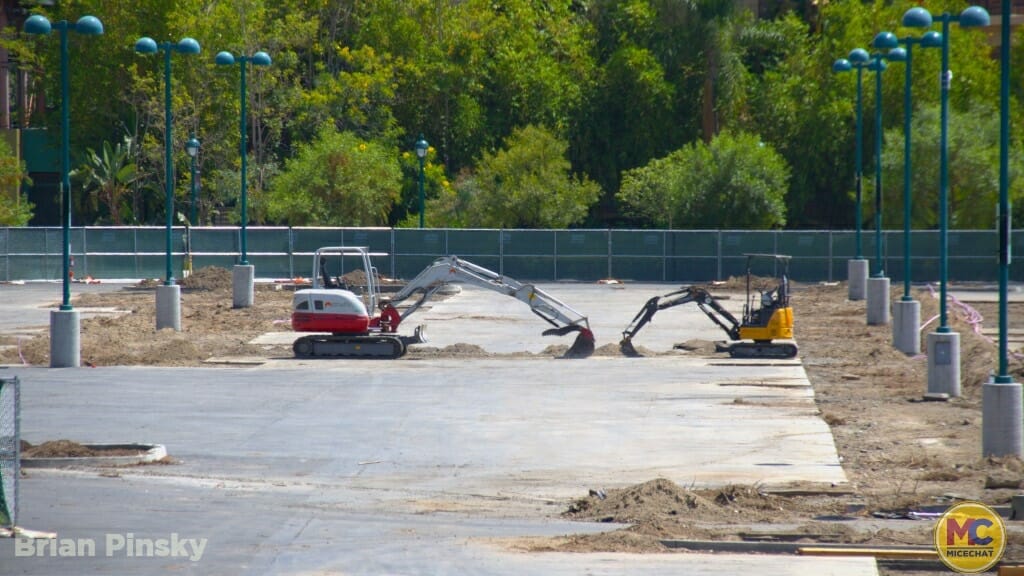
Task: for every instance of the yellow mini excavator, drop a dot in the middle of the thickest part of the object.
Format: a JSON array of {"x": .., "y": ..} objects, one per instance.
[{"x": 767, "y": 316}]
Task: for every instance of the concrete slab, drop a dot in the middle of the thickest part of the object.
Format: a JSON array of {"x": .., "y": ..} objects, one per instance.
[
  {"x": 609, "y": 309},
  {"x": 275, "y": 531},
  {"x": 415, "y": 466}
]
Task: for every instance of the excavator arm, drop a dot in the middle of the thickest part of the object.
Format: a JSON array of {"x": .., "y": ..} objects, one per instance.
[
  {"x": 453, "y": 270},
  {"x": 704, "y": 300}
]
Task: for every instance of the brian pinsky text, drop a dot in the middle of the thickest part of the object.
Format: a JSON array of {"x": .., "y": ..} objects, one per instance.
[{"x": 122, "y": 545}]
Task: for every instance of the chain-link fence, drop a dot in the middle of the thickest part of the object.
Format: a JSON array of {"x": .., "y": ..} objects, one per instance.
[
  {"x": 532, "y": 255},
  {"x": 10, "y": 444}
]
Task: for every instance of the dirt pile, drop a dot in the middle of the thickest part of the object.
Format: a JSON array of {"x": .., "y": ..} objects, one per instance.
[
  {"x": 70, "y": 449},
  {"x": 208, "y": 278}
]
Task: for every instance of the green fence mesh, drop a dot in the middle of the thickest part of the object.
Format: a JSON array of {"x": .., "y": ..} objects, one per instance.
[
  {"x": 676, "y": 256},
  {"x": 10, "y": 440}
]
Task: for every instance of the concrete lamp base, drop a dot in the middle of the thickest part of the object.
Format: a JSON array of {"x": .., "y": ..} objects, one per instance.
[
  {"x": 857, "y": 278},
  {"x": 878, "y": 301},
  {"x": 168, "y": 307},
  {"x": 906, "y": 323},
  {"x": 242, "y": 279},
  {"x": 944, "y": 363},
  {"x": 65, "y": 339},
  {"x": 1001, "y": 425}
]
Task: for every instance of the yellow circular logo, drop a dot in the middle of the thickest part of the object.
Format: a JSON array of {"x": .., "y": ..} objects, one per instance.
[{"x": 970, "y": 537}]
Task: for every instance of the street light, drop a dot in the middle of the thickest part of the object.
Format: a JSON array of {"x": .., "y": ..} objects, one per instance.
[
  {"x": 243, "y": 274},
  {"x": 1001, "y": 431},
  {"x": 878, "y": 284},
  {"x": 65, "y": 349},
  {"x": 907, "y": 312},
  {"x": 421, "y": 153},
  {"x": 168, "y": 306},
  {"x": 857, "y": 268},
  {"x": 944, "y": 345},
  {"x": 257, "y": 59},
  {"x": 192, "y": 147}
]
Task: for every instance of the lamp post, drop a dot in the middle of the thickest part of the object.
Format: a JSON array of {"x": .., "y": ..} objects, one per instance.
[
  {"x": 906, "y": 333},
  {"x": 1001, "y": 431},
  {"x": 168, "y": 296},
  {"x": 243, "y": 274},
  {"x": 878, "y": 283},
  {"x": 421, "y": 153},
  {"x": 192, "y": 147},
  {"x": 943, "y": 345},
  {"x": 857, "y": 268},
  {"x": 65, "y": 343}
]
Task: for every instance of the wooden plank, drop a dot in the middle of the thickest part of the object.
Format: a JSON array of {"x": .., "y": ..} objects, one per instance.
[{"x": 914, "y": 553}]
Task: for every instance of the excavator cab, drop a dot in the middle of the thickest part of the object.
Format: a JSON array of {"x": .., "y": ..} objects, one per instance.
[{"x": 767, "y": 314}]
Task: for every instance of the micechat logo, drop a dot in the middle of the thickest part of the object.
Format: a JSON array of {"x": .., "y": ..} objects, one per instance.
[{"x": 970, "y": 537}]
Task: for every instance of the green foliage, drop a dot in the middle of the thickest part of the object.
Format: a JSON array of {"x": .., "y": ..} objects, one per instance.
[
  {"x": 338, "y": 179},
  {"x": 15, "y": 209},
  {"x": 435, "y": 186},
  {"x": 528, "y": 184},
  {"x": 106, "y": 179},
  {"x": 973, "y": 171},
  {"x": 620, "y": 83},
  {"x": 736, "y": 181}
]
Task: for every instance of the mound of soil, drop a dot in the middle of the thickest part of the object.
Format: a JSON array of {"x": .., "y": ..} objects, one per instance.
[
  {"x": 208, "y": 278},
  {"x": 70, "y": 449}
]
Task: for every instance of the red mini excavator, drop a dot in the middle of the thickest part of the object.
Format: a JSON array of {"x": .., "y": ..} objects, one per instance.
[{"x": 338, "y": 313}]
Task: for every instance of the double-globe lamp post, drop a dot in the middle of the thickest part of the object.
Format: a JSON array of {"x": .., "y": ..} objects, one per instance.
[
  {"x": 168, "y": 296},
  {"x": 878, "y": 284},
  {"x": 1002, "y": 431},
  {"x": 65, "y": 327},
  {"x": 943, "y": 345},
  {"x": 857, "y": 267},
  {"x": 906, "y": 312},
  {"x": 421, "y": 152},
  {"x": 243, "y": 274}
]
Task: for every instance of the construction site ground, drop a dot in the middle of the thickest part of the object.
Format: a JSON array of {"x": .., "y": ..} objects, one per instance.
[{"x": 481, "y": 451}]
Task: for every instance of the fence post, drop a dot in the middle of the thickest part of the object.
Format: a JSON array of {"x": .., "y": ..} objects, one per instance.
[
  {"x": 391, "y": 250},
  {"x": 291, "y": 252},
  {"x": 664, "y": 256},
  {"x": 611, "y": 250},
  {"x": 719, "y": 274},
  {"x": 554, "y": 260},
  {"x": 10, "y": 447},
  {"x": 830, "y": 257}
]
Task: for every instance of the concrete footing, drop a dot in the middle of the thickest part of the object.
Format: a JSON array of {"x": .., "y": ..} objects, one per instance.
[
  {"x": 1002, "y": 433},
  {"x": 168, "y": 307},
  {"x": 65, "y": 339},
  {"x": 878, "y": 301},
  {"x": 857, "y": 278},
  {"x": 242, "y": 279},
  {"x": 906, "y": 326},
  {"x": 944, "y": 363}
]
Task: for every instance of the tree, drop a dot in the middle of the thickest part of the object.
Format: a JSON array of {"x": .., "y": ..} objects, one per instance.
[
  {"x": 528, "y": 184},
  {"x": 336, "y": 180},
  {"x": 15, "y": 209},
  {"x": 736, "y": 181},
  {"x": 651, "y": 193},
  {"x": 107, "y": 179},
  {"x": 973, "y": 171}
]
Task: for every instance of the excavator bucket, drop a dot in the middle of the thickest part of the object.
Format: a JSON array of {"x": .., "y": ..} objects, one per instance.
[
  {"x": 627, "y": 349},
  {"x": 582, "y": 347}
]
